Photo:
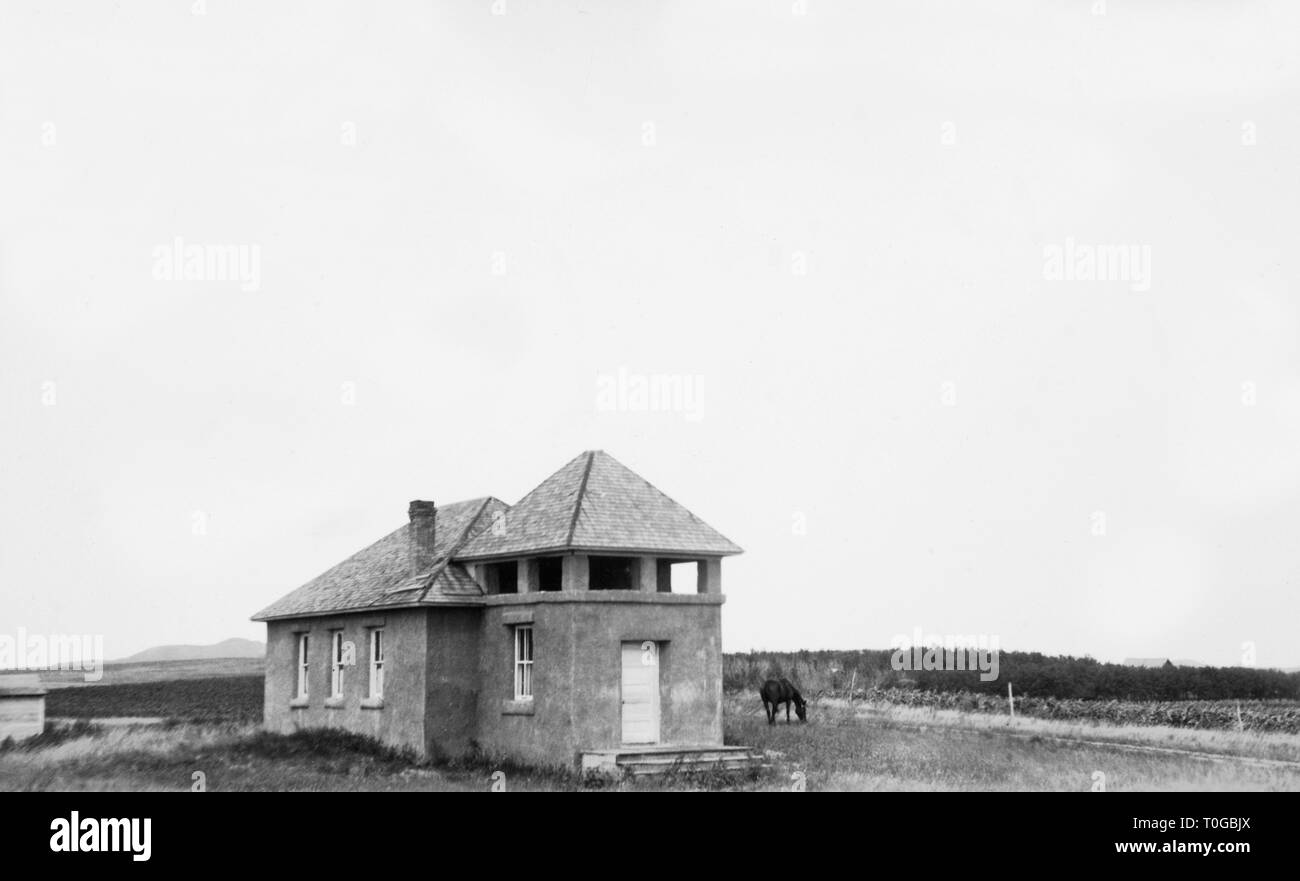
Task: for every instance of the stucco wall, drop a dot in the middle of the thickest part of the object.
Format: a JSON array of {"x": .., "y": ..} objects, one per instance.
[
  {"x": 577, "y": 672},
  {"x": 452, "y": 675},
  {"x": 401, "y": 719},
  {"x": 449, "y": 674}
]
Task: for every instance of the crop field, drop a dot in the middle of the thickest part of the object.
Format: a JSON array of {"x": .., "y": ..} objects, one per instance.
[
  {"x": 215, "y": 699},
  {"x": 157, "y": 735},
  {"x": 1281, "y": 716}
]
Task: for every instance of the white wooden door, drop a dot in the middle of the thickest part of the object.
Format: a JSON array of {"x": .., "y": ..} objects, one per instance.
[{"x": 640, "y": 692}]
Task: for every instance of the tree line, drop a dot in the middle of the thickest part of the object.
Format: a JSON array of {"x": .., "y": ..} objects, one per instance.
[{"x": 1031, "y": 673}]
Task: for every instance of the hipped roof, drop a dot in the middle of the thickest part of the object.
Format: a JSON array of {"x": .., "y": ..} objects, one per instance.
[{"x": 594, "y": 503}]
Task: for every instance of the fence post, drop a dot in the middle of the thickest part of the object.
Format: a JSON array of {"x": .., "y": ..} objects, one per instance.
[{"x": 1011, "y": 701}]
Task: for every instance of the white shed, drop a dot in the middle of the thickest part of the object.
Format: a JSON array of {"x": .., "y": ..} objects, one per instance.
[{"x": 22, "y": 706}]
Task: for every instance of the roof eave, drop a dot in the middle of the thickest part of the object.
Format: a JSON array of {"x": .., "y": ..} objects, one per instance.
[
  {"x": 686, "y": 554},
  {"x": 356, "y": 610}
]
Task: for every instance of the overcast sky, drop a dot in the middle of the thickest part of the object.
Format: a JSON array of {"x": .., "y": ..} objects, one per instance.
[{"x": 833, "y": 222}]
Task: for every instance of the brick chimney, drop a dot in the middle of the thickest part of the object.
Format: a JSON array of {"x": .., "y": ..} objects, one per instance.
[{"x": 420, "y": 536}]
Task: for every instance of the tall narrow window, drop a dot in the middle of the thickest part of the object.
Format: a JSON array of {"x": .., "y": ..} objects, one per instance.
[
  {"x": 377, "y": 662},
  {"x": 302, "y": 665},
  {"x": 524, "y": 663},
  {"x": 336, "y": 664}
]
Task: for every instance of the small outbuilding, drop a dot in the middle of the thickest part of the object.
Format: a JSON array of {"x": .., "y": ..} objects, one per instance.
[{"x": 22, "y": 706}]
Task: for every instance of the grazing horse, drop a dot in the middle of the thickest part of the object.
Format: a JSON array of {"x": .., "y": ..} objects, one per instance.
[{"x": 779, "y": 691}]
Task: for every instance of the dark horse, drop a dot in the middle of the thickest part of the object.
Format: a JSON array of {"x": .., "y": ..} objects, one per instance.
[{"x": 779, "y": 691}]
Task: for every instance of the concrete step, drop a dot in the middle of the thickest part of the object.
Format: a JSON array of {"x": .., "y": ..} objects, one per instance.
[
  {"x": 640, "y": 762},
  {"x": 684, "y": 759}
]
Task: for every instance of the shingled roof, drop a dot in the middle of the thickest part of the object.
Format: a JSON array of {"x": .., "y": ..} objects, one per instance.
[
  {"x": 596, "y": 503},
  {"x": 379, "y": 576}
]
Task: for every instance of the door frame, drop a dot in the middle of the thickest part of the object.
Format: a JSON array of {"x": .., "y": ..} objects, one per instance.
[{"x": 657, "y": 704}]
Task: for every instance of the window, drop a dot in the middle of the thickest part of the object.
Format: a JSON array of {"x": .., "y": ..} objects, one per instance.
[
  {"x": 550, "y": 573},
  {"x": 524, "y": 662},
  {"x": 505, "y": 577},
  {"x": 611, "y": 573},
  {"x": 377, "y": 662},
  {"x": 336, "y": 664},
  {"x": 684, "y": 576},
  {"x": 302, "y": 665}
]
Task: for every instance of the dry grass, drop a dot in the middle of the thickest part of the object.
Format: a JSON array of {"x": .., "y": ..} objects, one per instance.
[
  {"x": 114, "y": 753},
  {"x": 1268, "y": 746},
  {"x": 240, "y": 757},
  {"x": 841, "y": 748},
  {"x": 893, "y": 748}
]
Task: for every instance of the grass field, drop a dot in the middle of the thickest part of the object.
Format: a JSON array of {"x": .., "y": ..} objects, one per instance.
[
  {"x": 157, "y": 671},
  {"x": 874, "y": 748},
  {"x": 198, "y": 722}
]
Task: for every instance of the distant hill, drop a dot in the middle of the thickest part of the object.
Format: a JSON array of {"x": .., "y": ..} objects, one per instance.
[{"x": 228, "y": 648}]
